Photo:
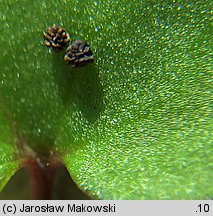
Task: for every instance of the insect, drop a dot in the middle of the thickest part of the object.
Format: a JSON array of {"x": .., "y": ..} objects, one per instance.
[
  {"x": 56, "y": 37},
  {"x": 79, "y": 54}
]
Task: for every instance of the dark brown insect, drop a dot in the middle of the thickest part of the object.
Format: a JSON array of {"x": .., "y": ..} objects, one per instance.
[
  {"x": 56, "y": 37},
  {"x": 79, "y": 54}
]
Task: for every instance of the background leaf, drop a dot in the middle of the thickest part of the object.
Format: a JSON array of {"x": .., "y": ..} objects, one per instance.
[
  {"x": 8, "y": 163},
  {"x": 137, "y": 123}
]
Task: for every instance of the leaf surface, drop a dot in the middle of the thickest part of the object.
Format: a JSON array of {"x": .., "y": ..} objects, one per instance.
[{"x": 9, "y": 164}]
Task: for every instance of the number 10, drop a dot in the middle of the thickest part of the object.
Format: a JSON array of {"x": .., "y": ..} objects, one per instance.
[{"x": 203, "y": 208}]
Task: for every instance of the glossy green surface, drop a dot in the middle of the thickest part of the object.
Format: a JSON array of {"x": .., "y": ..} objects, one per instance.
[
  {"x": 137, "y": 123},
  {"x": 9, "y": 163}
]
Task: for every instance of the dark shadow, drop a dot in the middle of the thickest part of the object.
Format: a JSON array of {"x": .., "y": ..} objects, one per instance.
[
  {"x": 64, "y": 188},
  {"x": 79, "y": 87},
  {"x": 18, "y": 187}
]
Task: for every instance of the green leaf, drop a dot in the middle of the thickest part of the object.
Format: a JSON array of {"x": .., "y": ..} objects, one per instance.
[
  {"x": 136, "y": 124},
  {"x": 153, "y": 140},
  {"x": 8, "y": 163}
]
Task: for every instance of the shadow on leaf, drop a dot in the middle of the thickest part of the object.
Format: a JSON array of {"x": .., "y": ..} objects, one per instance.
[{"x": 79, "y": 87}]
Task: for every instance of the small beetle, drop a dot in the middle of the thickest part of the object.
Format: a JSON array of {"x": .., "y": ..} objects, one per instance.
[
  {"x": 79, "y": 54},
  {"x": 56, "y": 37}
]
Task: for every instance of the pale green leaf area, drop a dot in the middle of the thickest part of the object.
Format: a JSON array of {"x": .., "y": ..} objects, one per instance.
[
  {"x": 137, "y": 123},
  {"x": 9, "y": 164}
]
